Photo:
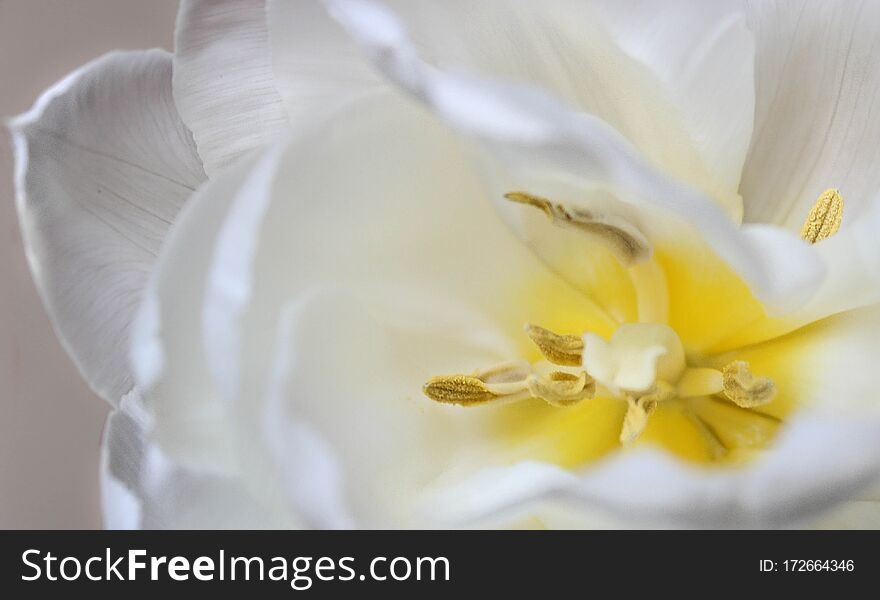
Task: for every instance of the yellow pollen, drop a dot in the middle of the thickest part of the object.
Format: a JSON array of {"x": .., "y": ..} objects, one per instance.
[
  {"x": 549, "y": 208},
  {"x": 458, "y": 389},
  {"x": 561, "y": 388},
  {"x": 824, "y": 218},
  {"x": 744, "y": 389},
  {"x": 559, "y": 349}
]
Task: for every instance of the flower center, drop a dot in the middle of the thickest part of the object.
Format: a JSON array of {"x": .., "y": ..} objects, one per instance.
[
  {"x": 639, "y": 376},
  {"x": 642, "y": 364}
]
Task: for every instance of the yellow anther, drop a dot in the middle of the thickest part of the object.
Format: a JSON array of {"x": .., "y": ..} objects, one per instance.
[
  {"x": 458, "y": 389},
  {"x": 824, "y": 218},
  {"x": 744, "y": 389},
  {"x": 561, "y": 388},
  {"x": 628, "y": 243},
  {"x": 563, "y": 350},
  {"x": 550, "y": 209}
]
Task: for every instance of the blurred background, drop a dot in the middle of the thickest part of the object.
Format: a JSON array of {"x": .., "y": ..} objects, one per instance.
[{"x": 50, "y": 423}]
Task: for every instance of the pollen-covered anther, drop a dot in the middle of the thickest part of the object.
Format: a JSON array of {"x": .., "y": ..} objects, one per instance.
[
  {"x": 458, "y": 389},
  {"x": 824, "y": 218},
  {"x": 560, "y": 388},
  {"x": 510, "y": 382},
  {"x": 624, "y": 238},
  {"x": 559, "y": 349},
  {"x": 744, "y": 389},
  {"x": 505, "y": 381}
]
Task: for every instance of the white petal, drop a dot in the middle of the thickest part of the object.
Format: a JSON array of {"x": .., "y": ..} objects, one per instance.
[
  {"x": 852, "y": 280},
  {"x": 835, "y": 361},
  {"x": 538, "y": 145},
  {"x": 122, "y": 454},
  {"x": 351, "y": 440},
  {"x": 224, "y": 84},
  {"x": 816, "y": 123},
  {"x": 318, "y": 69},
  {"x": 166, "y": 345},
  {"x": 246, "y": 71},
  {"x": 141, "y": 489},
  {"x": 312, "y": 475},
  {"x": 704, "y": 55},
  {"x": 819, "y": 461},
  {"x": 413, "y": 190},
  {"x": 371, "y": 201},
  {"x": 104, "y": 163},
  {"x": 852, "y": 277},
  {"x": 676, "y": 80}
]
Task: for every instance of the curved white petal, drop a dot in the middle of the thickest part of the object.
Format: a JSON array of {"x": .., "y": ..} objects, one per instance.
[
  {"x": 122, "y": 457},
  {"x": 538, "y": 145},
  {"x": 816, "y": 119},
  {"x": 369, "y": 200},
  {"x": 318, "y": 69},
  {"x": 351, "y": 440},
  {"x": 224, "y": 84},
  {"x": 247, "y": 71},
  {"x": 820, "y": 460},
  {"x": 382, "y": 219},
  {"x": 166, "y": 343},
  {"x": 651, "y": 71},
  {"x": 142, "y": 489},
  {"x": 852, "y": 277},
  {"x": 851, "y": 282},
  {"x": 104, "y": 163},
  {"x": 703, "y": 52}
]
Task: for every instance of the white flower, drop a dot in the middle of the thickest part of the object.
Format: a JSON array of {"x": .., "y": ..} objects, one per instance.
[{"x": 362, "y": 241}]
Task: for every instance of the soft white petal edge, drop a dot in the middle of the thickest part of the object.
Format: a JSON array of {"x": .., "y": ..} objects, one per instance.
[
  {"x": 103, "y": 164},
  {"x": 820, "y": 461},
  {"x": 247, "y": 71},
  {"x": 142, "y": 489},
  {"x": 705, "y": 54},
  {"x": 224, "y": 83},
  {"x": 171, "y": 306},
  {"x": 506, "y": 116}
]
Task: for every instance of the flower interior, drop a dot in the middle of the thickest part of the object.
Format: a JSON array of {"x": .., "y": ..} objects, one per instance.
[{"x": 677, "y": 353}]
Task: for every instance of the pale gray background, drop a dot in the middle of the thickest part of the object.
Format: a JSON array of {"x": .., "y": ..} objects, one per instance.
[{"x": 50, "y": 423}]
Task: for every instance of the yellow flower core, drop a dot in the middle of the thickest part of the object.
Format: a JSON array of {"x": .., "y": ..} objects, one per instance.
[{"x": 675, "y": 351}]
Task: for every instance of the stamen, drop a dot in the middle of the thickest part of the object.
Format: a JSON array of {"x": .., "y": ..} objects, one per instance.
[
  {"x": 553, "y": 211},
  {"x": 506, "y": 377},
  {"x": 510, "y": 382},
  {"x": 744, "y": 389},
  {"x": 824, "y": 218},
  {"x": 563, "y": 350},
  {"x": 625, "y": 240},
  {"x": 458, "y": 389},
  {"x": 561, "y": 388},
  {"x": 507, "y": 381}
]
